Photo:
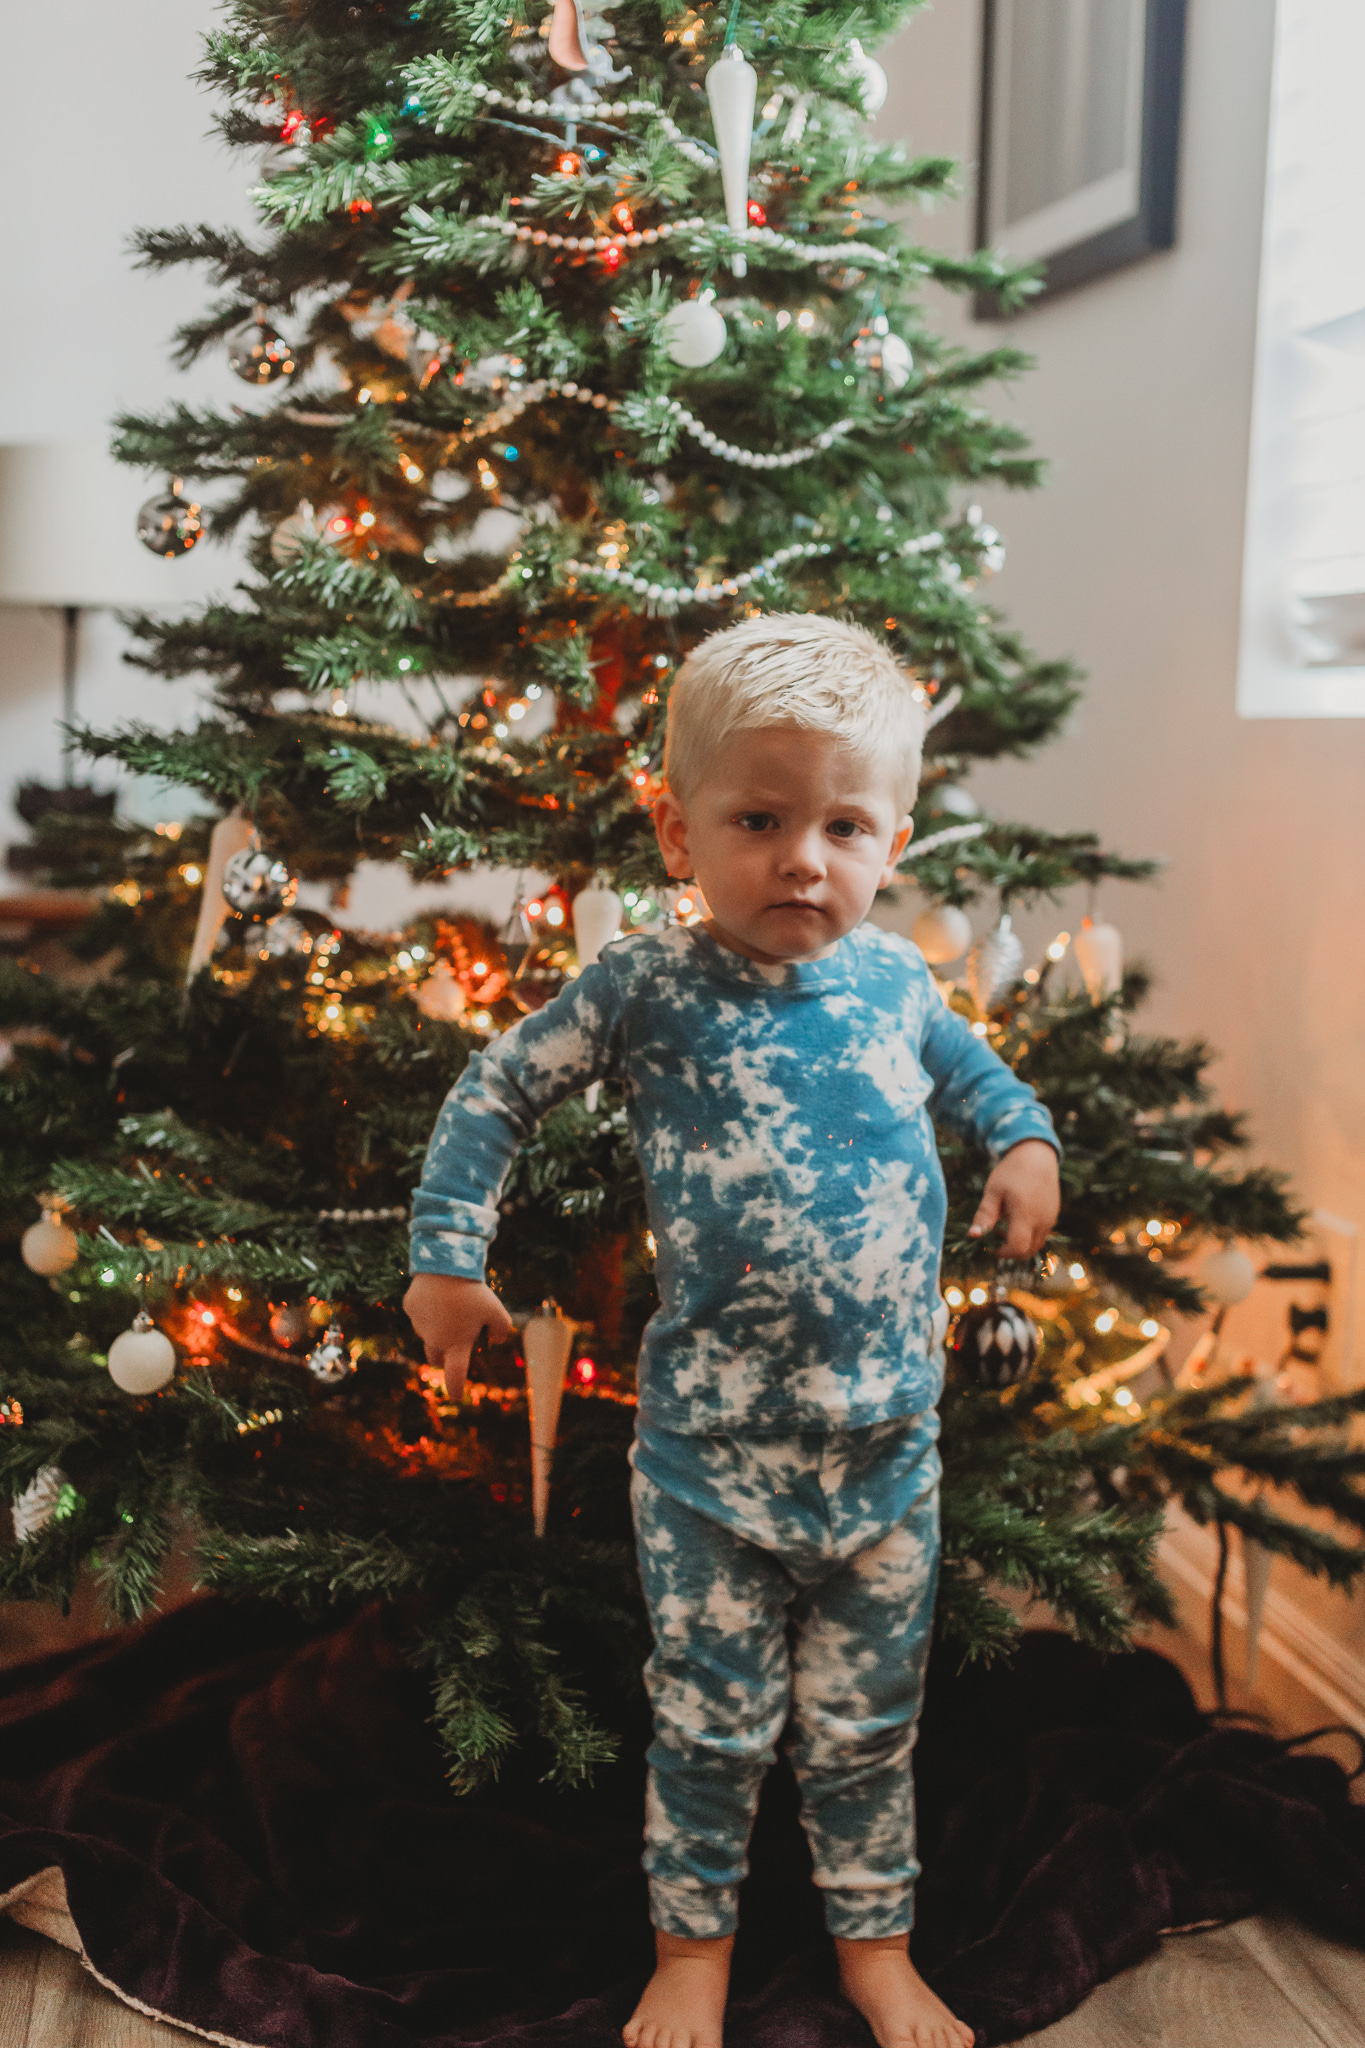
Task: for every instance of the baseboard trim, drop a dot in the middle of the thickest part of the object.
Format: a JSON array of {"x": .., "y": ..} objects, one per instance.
[{"x": 1315, "y": 1660}]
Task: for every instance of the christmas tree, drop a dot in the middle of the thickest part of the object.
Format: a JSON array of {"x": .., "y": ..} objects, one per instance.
[{"x": 577, "y": 371}]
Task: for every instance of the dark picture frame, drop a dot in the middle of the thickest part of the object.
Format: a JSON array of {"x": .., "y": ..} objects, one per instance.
[{"x": 1080, "y": 135}]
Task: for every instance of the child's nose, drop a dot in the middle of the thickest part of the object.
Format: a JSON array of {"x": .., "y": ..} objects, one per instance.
[{"x": 804, "y": 857}]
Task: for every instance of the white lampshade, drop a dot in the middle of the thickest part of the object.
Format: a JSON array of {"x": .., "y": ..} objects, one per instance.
[{"x": 68, "y": 516}]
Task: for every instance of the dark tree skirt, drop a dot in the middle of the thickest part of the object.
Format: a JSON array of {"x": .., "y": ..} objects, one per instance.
[{"x": 256, "y": 1841}]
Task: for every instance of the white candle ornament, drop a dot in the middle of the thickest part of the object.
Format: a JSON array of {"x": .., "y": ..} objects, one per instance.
[
  {"x": 596, "y": 921},
  {"x": 732, "y": 87},
  {"x": 1099, "y": 949},
  {"x": 546, "y": 1341}
]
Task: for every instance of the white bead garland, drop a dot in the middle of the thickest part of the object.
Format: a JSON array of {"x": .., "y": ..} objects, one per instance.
[
  {"x": 731, "y": 586},
  {"x": 497, "y": 223},
  {"x": 605, "y": 111},
  {"x": 746, "y": 458}
]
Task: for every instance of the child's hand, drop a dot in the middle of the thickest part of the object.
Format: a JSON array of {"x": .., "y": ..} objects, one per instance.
[
  {"x": 1025, "y": 1190},
  {"x": 448, "y": 1315}
]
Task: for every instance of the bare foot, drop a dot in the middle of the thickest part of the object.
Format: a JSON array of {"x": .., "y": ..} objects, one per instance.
[
  {"x": 880, "y": 1979},
  {"x": 684, "y": 2001}
]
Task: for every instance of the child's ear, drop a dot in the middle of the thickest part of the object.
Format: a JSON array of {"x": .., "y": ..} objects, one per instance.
[
  {"x": 670, "y": 829},
  {"x": 895, "y": 850}
]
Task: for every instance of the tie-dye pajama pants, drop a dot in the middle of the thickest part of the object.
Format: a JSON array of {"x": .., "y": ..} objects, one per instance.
[{"x": 790, "y": 1585}]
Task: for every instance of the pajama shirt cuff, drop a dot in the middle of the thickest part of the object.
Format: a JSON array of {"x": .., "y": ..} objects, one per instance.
[{"x": 697, "y": 1912}]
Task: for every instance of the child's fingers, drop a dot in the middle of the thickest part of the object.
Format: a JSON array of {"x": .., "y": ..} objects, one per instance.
[
  {"x": 454, "y": 1362},
  {"x": 987, "y": 1215}
]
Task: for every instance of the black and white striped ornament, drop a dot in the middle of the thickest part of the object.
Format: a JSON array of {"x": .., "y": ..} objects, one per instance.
[{"x": 994, "y": 1343}]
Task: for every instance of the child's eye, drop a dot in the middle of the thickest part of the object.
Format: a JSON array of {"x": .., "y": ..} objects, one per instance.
[
  {"x": 844, "y": 828},
  {"x": 755, "y": 821}
]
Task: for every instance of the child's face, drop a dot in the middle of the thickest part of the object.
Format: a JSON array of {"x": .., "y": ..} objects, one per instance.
[{"x": 789, "y": 837}]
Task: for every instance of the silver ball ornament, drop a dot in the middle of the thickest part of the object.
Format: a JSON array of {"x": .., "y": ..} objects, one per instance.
[
  {"x": 261, "y": 356},
  {"x": 291, "y": 1323},
  {"x": 256, "y": 885},
  {"x": 169, "y": 525},
  {"x": 142, "y": 1360},
  {"x": 942, "y": 933},
  {"x": 49, "y": 1247},
  {"x": 330, "y": 1362},
  {"x": 694, "y": 333}
]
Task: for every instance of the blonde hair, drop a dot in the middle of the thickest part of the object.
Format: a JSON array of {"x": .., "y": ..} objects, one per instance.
[{"x": 794, "y": 669}]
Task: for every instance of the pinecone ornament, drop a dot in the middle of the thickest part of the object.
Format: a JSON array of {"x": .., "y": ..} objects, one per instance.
[
  {"x": 995, "y": 1343},
  {"x": 993, "y": 963},
  {"x": 34, "y": 1508}
]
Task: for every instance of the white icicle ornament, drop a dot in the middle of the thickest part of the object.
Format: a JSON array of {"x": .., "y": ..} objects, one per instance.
[
  {"x": 732, "y": 87},
  {"x": 142, "y": 1360},
  {"x": 694, "y": 333},
  {"x": 49, "y": 1247},
  {"x": 1099, "y": 950},
  {"x": 596, "y": 921},
  {"x": 547, "y": 1341},
  {"x": 942, "y": 933},
  {"x": 994, "y": 963}
]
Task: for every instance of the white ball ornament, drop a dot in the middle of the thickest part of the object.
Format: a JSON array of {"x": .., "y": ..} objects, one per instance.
[
  {"x": 142, "y": 1360},
  {"x": 1228, "y": 1276},
  {"x": 870, "y": 77},
  {"x": 596, "y": 921},
  {"x": 694, "y": 333},
  {"x": 942, "y": 933},
  {"x": 441, "y": 996},
  {"x": 49, "y": 1247}
]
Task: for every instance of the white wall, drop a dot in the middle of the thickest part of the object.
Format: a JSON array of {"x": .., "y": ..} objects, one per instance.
[{"x": 1130, "y": 561}]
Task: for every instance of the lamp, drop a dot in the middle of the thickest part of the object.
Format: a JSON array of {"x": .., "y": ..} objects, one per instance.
[{"x": 68, "y": 515}]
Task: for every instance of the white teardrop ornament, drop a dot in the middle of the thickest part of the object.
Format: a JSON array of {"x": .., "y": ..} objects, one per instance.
[
  {"x": 1099, "y": 949},
  {"x": 994, "y": 963},
  {"x": 546, "y": 1341},
  {"x": 49, "y": 1247},
  {"x": 694, "y": 333},
  {"x": 942, "y": 933},
  {"x": 596, "y": 921},
  {"x": 142, "y": 1360},
  {"x": 732, "y": 87}
]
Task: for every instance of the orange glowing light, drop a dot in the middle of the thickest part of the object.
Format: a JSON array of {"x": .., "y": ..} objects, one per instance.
[
  {"x": 535, "y": 909},
  {"x": 206, "y": 1315},
  {"x": 479, "y": 967},
  {"x": 625, "y": 217},
  {"x": 640, "y": 780}
]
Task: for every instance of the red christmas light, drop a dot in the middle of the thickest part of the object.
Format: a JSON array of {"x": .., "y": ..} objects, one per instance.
[
  {"x": 586, "y": 1370},
  {"x": 756, "y": 214}
]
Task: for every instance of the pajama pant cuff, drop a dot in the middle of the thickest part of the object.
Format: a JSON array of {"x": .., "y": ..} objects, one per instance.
[
  {"x": 870, "y": 1915},
  {"x": 698, "y": 1912}
]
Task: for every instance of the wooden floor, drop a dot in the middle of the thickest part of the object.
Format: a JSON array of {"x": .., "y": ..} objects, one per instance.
[{"x": 1260, "y": 1984}]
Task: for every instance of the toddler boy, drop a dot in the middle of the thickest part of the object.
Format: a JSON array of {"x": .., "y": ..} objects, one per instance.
[{"x": 780, "y": 1063}]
